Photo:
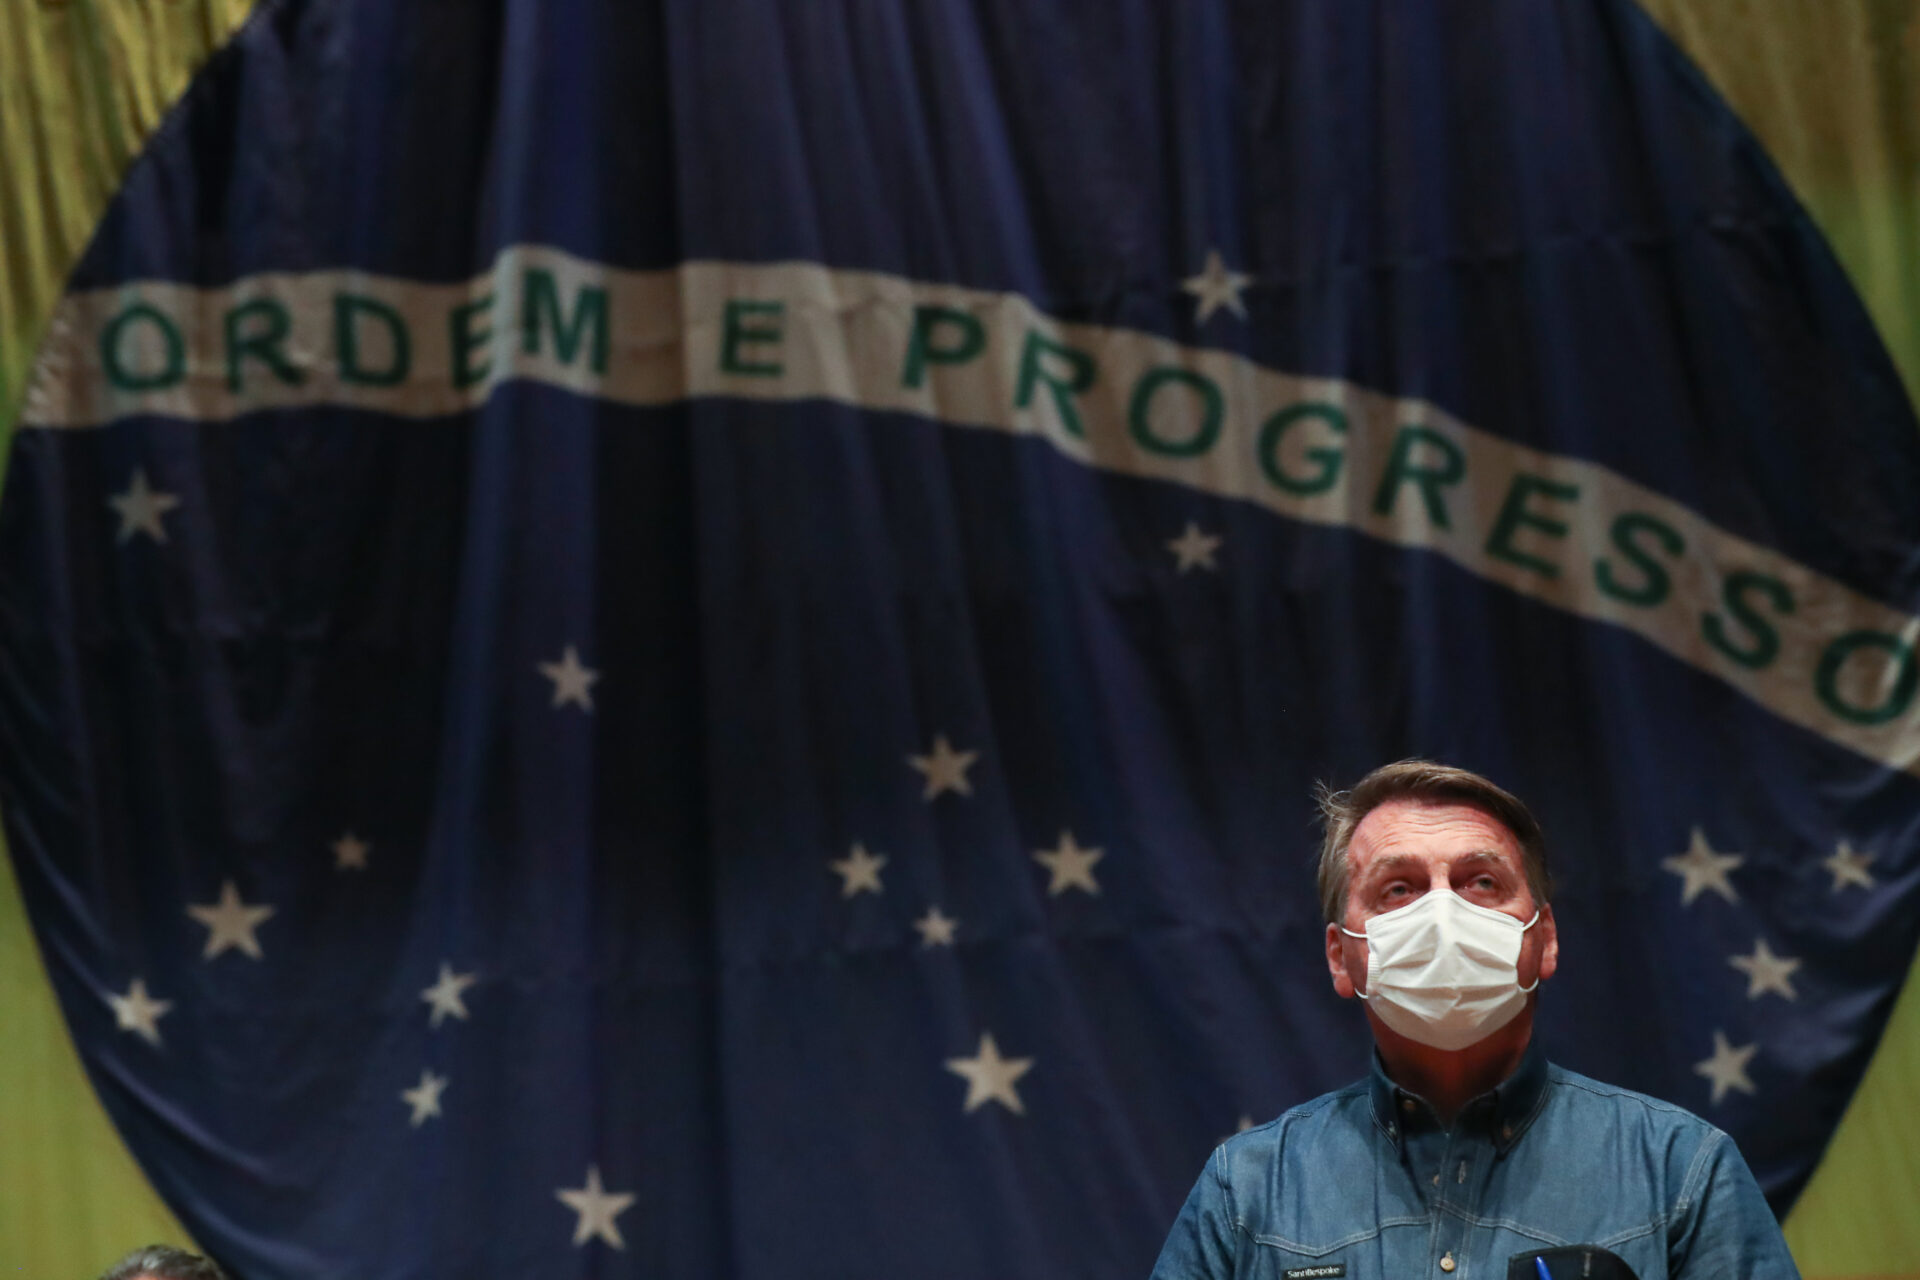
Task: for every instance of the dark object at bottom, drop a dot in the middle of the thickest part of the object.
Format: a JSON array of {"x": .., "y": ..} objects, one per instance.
[{"x": 1574, "y": 1262}]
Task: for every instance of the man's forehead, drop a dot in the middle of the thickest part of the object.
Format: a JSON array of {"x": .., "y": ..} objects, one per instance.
[{"x": 1407, "y": 828}]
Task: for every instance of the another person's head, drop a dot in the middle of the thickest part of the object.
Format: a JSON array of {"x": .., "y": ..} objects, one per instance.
[
  {"x": 1459, "y": 967},
  {"x": 162, "y": 1262}
]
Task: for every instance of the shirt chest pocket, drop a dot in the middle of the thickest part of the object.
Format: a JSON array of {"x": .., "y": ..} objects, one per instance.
[{"x": 1373, "y": 1254}]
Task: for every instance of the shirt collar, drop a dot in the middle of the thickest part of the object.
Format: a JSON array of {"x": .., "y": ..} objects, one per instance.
[{"x": 1503, "y": 1113}]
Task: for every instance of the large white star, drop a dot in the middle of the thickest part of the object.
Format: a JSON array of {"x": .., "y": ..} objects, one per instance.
[
  {"x": 1702, "y": 869},
  {"x": 1727, "y": 1068},
  {"x": 936, "y": 928},
  {"x": 571, "y": 681},
  {"x": 1071, "y": 865},
  {"x": 445, "y": 995},
  {"x": 424, "y": 1097},
  {"x": 597, "y": 1208},
  {"x": 1848, "y": 866},
  {"x": 230, "y": 923},
  {"x": 859, "y": 871},
  {"x": 350, "y": 851},
  {"x": 944, "y": 768},
  {"x": 1194, "y": 549},
  {"x": 1766, "y": 971},
  {"x": 138, "y": 1012},
  {"x": 1216, "y": 287},
  {"x": 990, "y": 1077},
  {"x": 141, "y": 509}
]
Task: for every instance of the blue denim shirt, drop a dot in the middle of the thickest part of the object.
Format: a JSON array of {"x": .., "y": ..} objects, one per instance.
[{"x": 1367, "y": 1179}]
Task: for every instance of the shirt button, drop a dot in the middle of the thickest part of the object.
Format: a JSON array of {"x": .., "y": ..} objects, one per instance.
[
  {"x": 1446, "y": 1262},
  {"x": 1506, "y": 1132},
  {"x": 1436, "y": 1179}
]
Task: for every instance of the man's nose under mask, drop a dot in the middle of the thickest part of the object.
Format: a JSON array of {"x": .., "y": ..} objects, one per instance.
[{"x": 1443, "y": 971}]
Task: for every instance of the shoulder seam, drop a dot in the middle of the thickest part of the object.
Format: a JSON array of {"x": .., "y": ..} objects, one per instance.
[
  {"x": 1696, "y": 1172},
  {"x": 1226, "y": 1185},
  {"x": 1320, "y": 1103},
  {"x": 1601, "y": 1090}
]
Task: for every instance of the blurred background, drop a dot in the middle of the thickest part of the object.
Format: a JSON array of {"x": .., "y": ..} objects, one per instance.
[{"x": 603, "y": 605}]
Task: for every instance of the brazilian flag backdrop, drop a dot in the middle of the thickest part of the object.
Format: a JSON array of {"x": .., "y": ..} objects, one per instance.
[{"x": 690, "y": 639}]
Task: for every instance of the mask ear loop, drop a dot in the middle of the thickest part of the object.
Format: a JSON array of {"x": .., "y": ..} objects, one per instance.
[
  {"x": 1363, "y": 937},
  {"x": 1536, "y": 979}
]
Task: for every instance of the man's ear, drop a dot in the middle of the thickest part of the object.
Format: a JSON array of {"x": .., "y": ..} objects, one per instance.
[
  {"x": 1549, "y": 944},
  {"x": 1337, "y": 962}
]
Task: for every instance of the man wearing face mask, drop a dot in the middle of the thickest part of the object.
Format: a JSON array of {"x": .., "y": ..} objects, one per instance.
[{"x": 1465, "y": 1155}]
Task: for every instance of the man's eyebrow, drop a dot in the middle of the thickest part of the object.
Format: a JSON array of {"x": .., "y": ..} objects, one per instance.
[
  {"x": 1392, "y": 864},
  {"x": 1396, "y": 863}
]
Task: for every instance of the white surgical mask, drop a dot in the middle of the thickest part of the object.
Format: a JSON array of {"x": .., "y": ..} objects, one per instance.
[{"x": 1443, "y": 971}]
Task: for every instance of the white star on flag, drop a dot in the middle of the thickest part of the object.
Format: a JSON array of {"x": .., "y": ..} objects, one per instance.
[
  {"x": 1727, "y": 1068},
  {"x": 1072, "y": 866},
  {"x": 571, "y": 681},
  {"x": 350, "y": 851},
  {"x": 424, "y": 1097},
  {"x": 1216, "y": 287},
  {"x": 1701, "y": 869},
  {"x": 944, "y": 768},
  {"x": 1847, "y": 866},
  {"x": 990, "y": 1077},
  {"x": 230, "y": 923},
  {"x": 859, "y": 871},
  {"x": 1766, "y": 971},
  {"x": 444, "y": 995},
  {"x": 141, "y": 509},
  {"x": 597, "y": 1208},
  {"x": 138, "y": 1012},
  {"x": 936, "y": 929},
  {"x": 1194, "y": 549}
]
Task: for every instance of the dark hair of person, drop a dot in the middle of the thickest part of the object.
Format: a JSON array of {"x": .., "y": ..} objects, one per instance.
[
  {"x": 163, "y": 1262},
  {"x": 1415, "y": 779}
]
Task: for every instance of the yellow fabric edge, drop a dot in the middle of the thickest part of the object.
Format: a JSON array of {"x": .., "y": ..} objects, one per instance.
[
  {"x": 1832, "y": 89},
  {"x": 86, "y": 82},
  {"x": 1858, "y": 1218},
  {"x": 74, "y": 1200}
]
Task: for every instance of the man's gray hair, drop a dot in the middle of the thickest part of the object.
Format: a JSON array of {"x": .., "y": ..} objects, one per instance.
[
  {"x": 1416, "y": 779},
  {"x": 162, "y": 1262}
]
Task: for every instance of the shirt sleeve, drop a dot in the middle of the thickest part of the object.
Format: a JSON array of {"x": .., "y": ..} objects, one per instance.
[
  {"x": 1722, "y": 1225},
  {"x": 1201, "y": 1244}
]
